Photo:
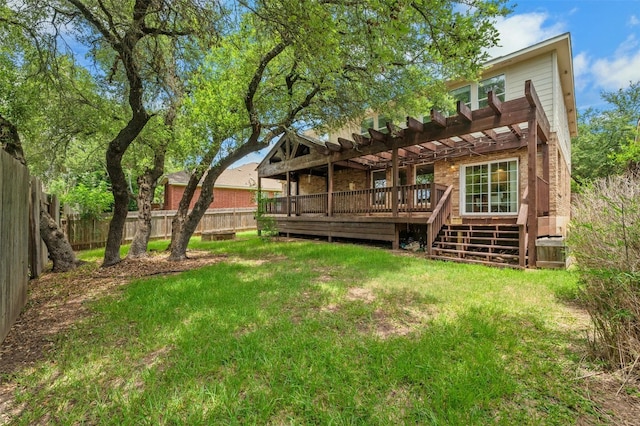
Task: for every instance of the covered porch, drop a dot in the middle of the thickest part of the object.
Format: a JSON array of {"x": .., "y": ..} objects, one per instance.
[{"x": 368, "y": 187}]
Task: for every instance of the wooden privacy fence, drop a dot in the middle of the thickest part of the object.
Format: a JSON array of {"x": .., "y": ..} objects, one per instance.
[{"x": 92, "y": 233}]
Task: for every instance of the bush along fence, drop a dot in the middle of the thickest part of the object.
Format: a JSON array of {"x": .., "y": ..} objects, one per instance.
[{"x": 92, "y": 233}]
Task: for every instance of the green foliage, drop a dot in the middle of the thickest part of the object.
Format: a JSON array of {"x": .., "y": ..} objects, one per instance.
[
  {"x": 266, "y": 224},
  {"x": 605, "y": 240},
  {"x": 90, "y": 195},
  {"x": 607, "y": 141}
]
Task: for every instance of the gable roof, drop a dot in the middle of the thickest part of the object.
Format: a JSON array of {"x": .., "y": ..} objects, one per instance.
[{"x": 241, "y": 177}]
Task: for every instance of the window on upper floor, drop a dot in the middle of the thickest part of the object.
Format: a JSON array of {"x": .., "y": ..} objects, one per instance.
[
  {"x": 365, "y": 125},
  {"x": 495, "y": 84},
  {"x": 462, "y": 94},
  {"x": 378, "y": 122}
]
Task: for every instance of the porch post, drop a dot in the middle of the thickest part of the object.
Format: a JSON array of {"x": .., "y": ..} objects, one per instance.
[
  {"x": 532, "y": 145},
  {"x": 260, "y": 204},
  {"x": 330, "y": 189},
  {"x": 411, "y": 180},
  {"x": 288, "y": 193},
  {"x": 394, "y": 178}
]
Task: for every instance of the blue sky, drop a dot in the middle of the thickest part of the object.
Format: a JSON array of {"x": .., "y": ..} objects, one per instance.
[{"x": 605, "y": 36}]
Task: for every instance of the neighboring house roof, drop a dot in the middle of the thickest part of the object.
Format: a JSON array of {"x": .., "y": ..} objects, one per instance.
[{"x": 241, "y": 177}]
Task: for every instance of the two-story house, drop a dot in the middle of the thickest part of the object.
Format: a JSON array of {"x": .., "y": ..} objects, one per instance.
[{"x": 483, "y": 184}]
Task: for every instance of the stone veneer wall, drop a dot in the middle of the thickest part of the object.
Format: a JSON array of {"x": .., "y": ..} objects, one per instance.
[
  {"x": 448, "y": 173},
  {"x": 341, "y": 181}
]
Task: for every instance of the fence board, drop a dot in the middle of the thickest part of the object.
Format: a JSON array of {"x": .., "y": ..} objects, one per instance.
[
  {"x": 89, "y": 233},
  {"x": 14, "y": 246}
]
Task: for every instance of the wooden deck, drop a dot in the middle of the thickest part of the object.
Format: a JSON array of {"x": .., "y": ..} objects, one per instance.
[
  {"x": 376, "y": 214},
  {"x": 499, "y": 242}
]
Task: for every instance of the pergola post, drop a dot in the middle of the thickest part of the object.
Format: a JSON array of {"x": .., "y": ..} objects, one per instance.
[
  {"x": 288, "y": 193},
  {"x": 330, "y": 189},
  {"x": 260, "y": 204},
  {"x": 395, "y": 177},
  {"x": 532, "y": 144}
]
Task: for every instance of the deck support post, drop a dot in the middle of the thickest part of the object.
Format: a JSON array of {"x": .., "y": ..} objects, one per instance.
[
  {"x": 545, "y": 162},
  {"x": 411, "y": 180},
  {"x": 532, "y": 173},
  {"x": 394, "y": 181},
  {"x": 330, "y": 190},
  {"x": 288, "y": 193},
  {"x": 260, "y": 203}
]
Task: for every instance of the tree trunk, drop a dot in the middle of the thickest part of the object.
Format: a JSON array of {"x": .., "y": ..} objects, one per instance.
[
  {"x": 119, "y": 186},
  {"x": 147, "y": 184},
  {"x": 188, "y": 223},
  {"x": 10, "y": 140},
  {"x": 180, "y": 218},
  {"x": 184, "y": 225},
  {"x": 60, "y": 251}
]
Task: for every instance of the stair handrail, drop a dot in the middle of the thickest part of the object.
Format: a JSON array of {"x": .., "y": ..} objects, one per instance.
[
  {"x": 438, "y": 217},
  {"x": 523, "y": 225}
]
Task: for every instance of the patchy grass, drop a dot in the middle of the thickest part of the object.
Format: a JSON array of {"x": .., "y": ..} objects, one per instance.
[{"x": 305, "y": 332}]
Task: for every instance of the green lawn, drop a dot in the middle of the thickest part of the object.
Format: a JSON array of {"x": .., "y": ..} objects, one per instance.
[{"x": 316, "y": 333}]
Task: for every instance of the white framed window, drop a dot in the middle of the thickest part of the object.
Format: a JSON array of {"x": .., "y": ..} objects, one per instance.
[
  {"x": 489, "y": 188},
  {"x": 376, "y": 122},
  {"x": 495, "y": 84},
  {"x": 462, "y": 94},
  {"x": 365, "y": 125}
]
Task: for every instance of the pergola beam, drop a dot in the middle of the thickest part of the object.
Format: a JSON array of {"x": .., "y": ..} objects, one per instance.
[
  {"x": 420, "y": 136},
  {"x": 346, "y": 143}
]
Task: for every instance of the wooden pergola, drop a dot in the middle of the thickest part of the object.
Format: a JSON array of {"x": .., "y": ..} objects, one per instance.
[{"x": 502, "y": 125}]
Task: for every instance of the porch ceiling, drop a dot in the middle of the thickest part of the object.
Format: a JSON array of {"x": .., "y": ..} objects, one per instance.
[{"x": 499, "y": 126}]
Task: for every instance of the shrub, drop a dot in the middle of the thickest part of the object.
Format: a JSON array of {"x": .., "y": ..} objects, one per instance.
[
  {"x": 89, "y": 194},
  {"x": 605, "y": 241},
  {"x": 266, "y": 224}
]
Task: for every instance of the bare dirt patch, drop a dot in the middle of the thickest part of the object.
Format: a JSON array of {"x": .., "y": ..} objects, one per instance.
[{"x": 362, "y": 294}]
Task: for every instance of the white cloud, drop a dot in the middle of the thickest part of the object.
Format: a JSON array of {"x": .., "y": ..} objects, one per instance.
[
  {"x": 610, "y": 73},
  {"x": 633, "y": 21},
  {"x": 523, "y": 30},
  {"x": 581, "y": 70},
  {"x": 616, "y": 73}
]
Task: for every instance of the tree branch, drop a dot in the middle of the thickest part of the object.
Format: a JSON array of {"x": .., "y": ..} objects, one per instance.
[{"x": 255, "y": 83}]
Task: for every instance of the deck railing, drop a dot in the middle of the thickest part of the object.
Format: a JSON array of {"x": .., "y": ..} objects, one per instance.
[
  {"x": 308, "y": 204},
  {"x": 438, "y": 218},
  {"x": 411, "y": 198}
]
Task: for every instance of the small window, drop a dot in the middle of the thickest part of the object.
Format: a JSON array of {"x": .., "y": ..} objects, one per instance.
[
  {"x": 378, "y": 123},
  {"x": 495, "y": 84},
  {"x": 382, "y": 123},
  {"x": 462, "y": 94},
  {"x": 365, "y": 125},
  {"x": 380, "y": 179}
]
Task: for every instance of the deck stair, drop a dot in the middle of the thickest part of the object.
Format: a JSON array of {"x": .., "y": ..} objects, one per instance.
[{"x": 488, "y": 244}]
